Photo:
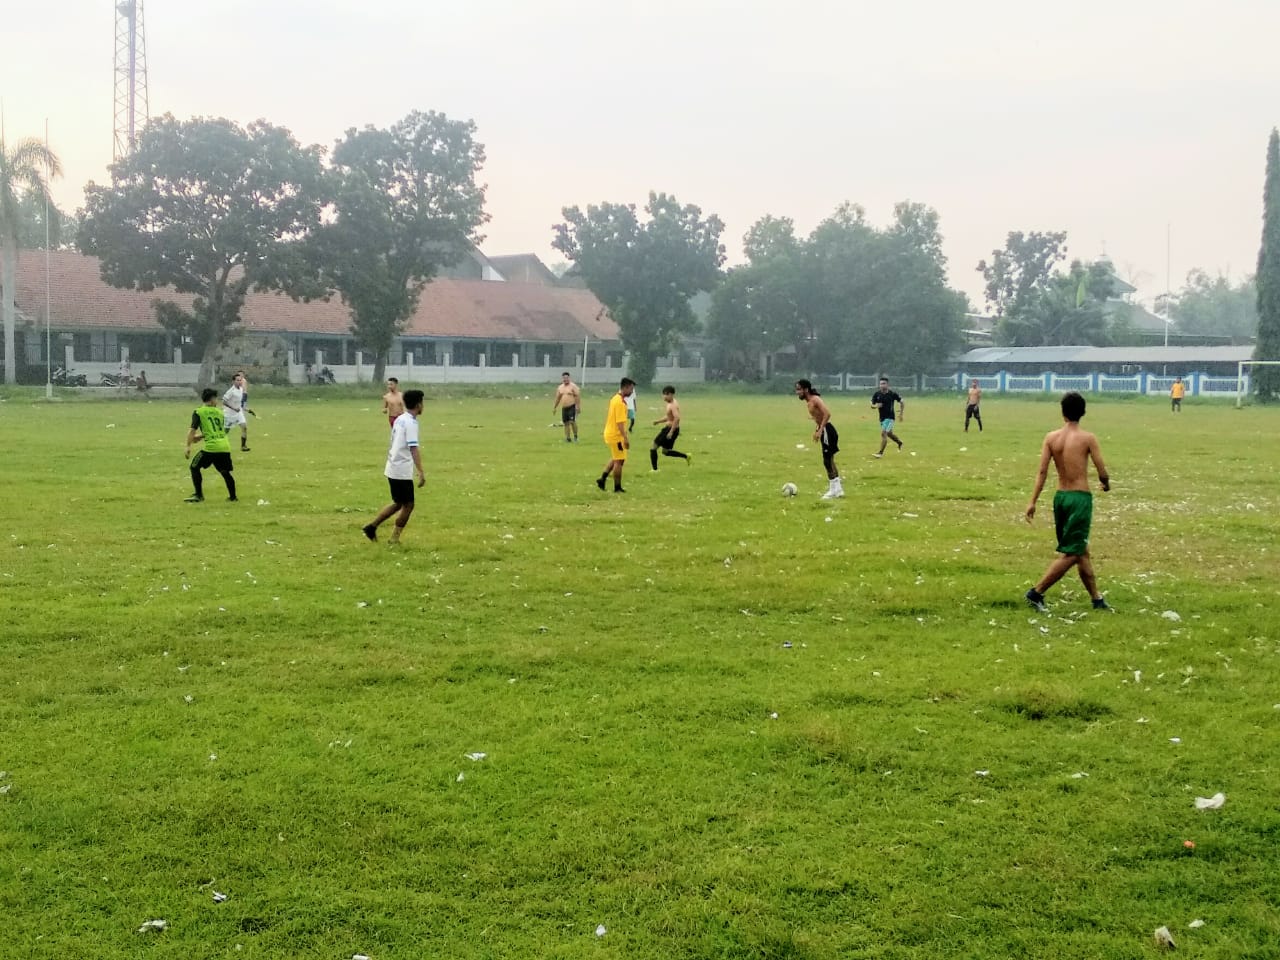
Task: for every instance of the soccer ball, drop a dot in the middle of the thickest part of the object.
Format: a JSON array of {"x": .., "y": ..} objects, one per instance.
[{"x": 788, "y": 489}]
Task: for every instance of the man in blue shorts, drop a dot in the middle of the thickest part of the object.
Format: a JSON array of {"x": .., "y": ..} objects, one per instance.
[
  {"x": 1070, "y": 449},
  {"x": 883, "y": 400}
]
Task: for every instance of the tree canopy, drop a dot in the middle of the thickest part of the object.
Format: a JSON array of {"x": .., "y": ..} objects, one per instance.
[
  {"x": 25, "y": 171},
  {"x": 406, "y": 203},
  {"x": 213, "y": 210},
  {"x": 847, "y": 297},
  {"x": 644, "y": 270}
]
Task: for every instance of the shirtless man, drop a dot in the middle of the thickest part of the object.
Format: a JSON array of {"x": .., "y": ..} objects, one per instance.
[
  {"x": 1070, "y": 449},
  {"x": 971, "y": 410},
  {"x": 670, "y": 432},
  {"x": 568, "y": 399},
  {"x": 825, "y": 434},
  {"x": 392, "y": 401}
]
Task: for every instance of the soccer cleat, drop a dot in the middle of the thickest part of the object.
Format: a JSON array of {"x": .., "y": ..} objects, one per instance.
[
  {"x": 899, "y": 444},
  {"x": 600, "y": 482},
  {"x": 688, "y": 459},
  {"x": 618, "y": 490},
  {"x": 1035, "y": 600},
  {"x": 194, "y": 499},
  {"x": 233, "y": 499},
  {"x": 832, "y": 495},
  {"x": 370, "y": 531},
  {"x": 244, "y": 449},
  {"x": 1101, "y": 604},
  {"x": 877, "y": 455}
]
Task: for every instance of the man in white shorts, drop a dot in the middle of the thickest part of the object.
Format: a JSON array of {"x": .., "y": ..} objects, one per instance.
[{"x": 233, "y": 410}]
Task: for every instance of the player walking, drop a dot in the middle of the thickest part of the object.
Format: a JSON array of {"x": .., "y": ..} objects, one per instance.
[
  {"x": 403, "y": 460},
  {"x": 207, "y": 425},
  {"x": 392, "y": 401},
  {"x": 884, "y": 399},
  {"x": 234, "y": 406},
  {"x": 616, "y": 437},
  {"x": 667, "y": 436},
  {"x": 1070, "y": 449},
  {"x": 825, "y": 434}
]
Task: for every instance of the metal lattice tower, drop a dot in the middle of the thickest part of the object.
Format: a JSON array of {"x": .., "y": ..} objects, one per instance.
[{"x": 131, "y": 76}]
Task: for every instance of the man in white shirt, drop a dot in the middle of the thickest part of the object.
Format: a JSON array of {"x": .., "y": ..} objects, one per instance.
[
  {"x": 403, "y": 461},
  {"x": 234, "y": 409}
]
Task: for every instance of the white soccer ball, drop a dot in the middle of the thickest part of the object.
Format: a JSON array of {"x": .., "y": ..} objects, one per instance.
[{"x": 788, "y": 489}]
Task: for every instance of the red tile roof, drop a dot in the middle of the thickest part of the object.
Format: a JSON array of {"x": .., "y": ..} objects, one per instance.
[{"x": 480, "y": 309}]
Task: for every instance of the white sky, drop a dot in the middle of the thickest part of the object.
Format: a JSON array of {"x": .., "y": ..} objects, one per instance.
[{"x": 1111, "y": 120}]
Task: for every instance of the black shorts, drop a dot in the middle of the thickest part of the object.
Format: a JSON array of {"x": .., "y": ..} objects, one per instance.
[
  {"x": 666, "y": 438},
  {"x": 971, "y": 410},
  {"x": 568, "y": 414},
  {"x": 401, "y": 491},
  {"x": 830, "y": 441},
  {"x": 219, "y": 460}
]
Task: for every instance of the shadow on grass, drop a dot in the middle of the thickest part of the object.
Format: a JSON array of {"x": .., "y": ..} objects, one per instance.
[{"x": 1042, "y": 702}]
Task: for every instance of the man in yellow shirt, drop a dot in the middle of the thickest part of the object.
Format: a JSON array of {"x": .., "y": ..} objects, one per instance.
[
  {"x": 615, "y": 435},
  {"x": 1176, "y": 393}
]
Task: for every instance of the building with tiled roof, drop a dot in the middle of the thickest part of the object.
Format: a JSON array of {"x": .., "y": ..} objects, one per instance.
[{"x": 529, "y": 330}]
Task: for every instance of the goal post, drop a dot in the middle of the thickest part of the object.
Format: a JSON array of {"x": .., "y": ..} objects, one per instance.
[{"x": 1240, "y": 374}]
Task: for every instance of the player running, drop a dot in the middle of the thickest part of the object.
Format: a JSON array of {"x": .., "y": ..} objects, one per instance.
[
  {"x": 1070, "y": 449},
  {"x": 884, "y": 399},
  {"x": 667, "y": 436},
  {"x": 234, "y": 407}
]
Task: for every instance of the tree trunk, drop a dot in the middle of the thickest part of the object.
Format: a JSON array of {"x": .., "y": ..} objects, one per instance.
[
  {"x": 380, "y": 366},
  {"x": 208, "y": 364},
  {"x": 8, "y": 270}
]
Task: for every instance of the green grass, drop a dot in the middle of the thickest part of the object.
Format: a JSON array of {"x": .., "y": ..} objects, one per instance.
[{"x": 620, "y": 661}]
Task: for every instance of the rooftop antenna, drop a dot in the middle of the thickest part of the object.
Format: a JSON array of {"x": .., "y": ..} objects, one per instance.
[{"x": 130, "y": 77}]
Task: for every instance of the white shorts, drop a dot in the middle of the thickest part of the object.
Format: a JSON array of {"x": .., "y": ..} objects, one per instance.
[{"x": 233, "y": 418}]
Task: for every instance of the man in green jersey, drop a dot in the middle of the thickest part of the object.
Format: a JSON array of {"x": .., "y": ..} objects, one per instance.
[{"x": 207, "y": 425}]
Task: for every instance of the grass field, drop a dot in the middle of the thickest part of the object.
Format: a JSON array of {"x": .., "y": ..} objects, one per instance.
[{"x": 716, "y": 723}]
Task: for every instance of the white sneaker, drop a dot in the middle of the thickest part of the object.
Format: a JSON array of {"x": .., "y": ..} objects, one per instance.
[{"x": 833, "y": 494}]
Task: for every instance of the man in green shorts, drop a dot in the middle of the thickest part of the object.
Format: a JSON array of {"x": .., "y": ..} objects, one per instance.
[
  {"x": 207, "y": 425},
  {"x": 1070, "y": 449}
]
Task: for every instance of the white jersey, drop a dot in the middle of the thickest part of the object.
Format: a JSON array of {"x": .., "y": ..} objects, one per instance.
[
  {"x": 233, "y": 407},
  {"x": 404, "y": 438},
  {"x": 631, "y": 404}
]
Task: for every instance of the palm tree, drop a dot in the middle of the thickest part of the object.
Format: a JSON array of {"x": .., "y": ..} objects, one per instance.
[{"x": 23, "y": 171}]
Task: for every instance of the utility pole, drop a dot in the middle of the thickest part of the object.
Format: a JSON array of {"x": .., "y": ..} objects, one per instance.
[{"x": 131, "y": 102}]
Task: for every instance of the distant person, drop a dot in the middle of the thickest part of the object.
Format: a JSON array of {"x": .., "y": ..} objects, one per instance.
[
  {"x": 124, "y": 373},
  {"x": 670, "y": 432},
  {"x": 568, "y": 400},
  {"x": 392, "y": 401},
  {"x": 616, "y": 438},
  {"x": 1070, "y": 449},
  {"x": 1176, "y": 393},
  {"x": 207, "y": 427},
  {"x": 884, "y": 399},
  {"x": 403, "y": 460},
  {"x": 631, "y": 411},
  {"x": 971, "y": 411},
  {"x": 825, "y": 434},
  {"x": 233, "y": 410},
  {"x": 141, "y": 382},
  {"x": 308, "y": 373}
]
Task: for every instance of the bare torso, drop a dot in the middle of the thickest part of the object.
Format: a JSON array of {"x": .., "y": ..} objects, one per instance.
[
  {"x": 975, "y": 396},
  {"x": 393, "y": 403},
  {"x": 1070, "y": 448},
  {"x": 567, "y": 395}
]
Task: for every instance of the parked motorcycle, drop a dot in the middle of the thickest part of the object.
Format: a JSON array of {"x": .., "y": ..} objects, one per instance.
[
  {"x": 112, "y": 381},
  {"x": 325, "y": 376},
  {"x": 62, "y": 377}
]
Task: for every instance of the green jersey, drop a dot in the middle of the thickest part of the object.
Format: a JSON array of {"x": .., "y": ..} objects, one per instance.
[{"x": 208, "y": 420}]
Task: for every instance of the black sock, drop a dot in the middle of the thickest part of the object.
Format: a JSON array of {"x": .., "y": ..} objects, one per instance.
[
  {"x": 197, "y": 481},
  {"x": 674, "y": 453},
  {"x": 231, "y": 485},
  {"x": 653, "y": 458}
]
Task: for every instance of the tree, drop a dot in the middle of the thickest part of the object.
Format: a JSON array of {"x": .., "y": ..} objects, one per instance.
[
  {"x": 1214, "y": 306},
  {"x": 31, "y": 224},
  {"x": 1267, "y": 379},
  {"x": 25, "y": 171},
  {"x": 406, "y": 204},
  {"x": 1066, "y": 308},
  {"x": 644, "y": 272},
  {"x": 918, "y": 225},
  {"x": 1016, "y": 274},
  {"x": 213, "y": 210}
]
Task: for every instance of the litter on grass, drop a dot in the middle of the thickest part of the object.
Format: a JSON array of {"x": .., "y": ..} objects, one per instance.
[
  {"x": 476, "y": 756},
  {"x": 1196, "y": 924},
  {"x": 601, "y": 931},
  {"x": 1164, "y": 939},
  {"x": 1211, "y": 803},
  {"x": 152, "y": 925},
  {"x": 1171, "y": 615},
  {"x": 219, "y": 897}
]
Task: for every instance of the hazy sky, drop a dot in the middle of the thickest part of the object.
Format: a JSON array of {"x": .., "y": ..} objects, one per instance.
[{"x": 1110, "y": 120}]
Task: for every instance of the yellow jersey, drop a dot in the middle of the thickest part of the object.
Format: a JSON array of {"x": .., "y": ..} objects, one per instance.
[
  {"x": 1178, "y": 390},
  {"x": 617, "y": 416}
]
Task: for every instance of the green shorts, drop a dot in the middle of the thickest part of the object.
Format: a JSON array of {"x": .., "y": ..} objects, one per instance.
[{"x": 1072, "y": 517}]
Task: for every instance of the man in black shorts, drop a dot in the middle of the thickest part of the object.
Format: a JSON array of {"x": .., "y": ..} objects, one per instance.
[
  {"x": 207, "y": 426},
  {"x": 670, "y": 432},
  {"x": 825, "y": 434},
  {"x": 403, "y": 461}
]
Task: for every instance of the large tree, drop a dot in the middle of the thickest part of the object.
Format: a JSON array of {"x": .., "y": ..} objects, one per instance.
[
  {"x": 1267, "y": 379},
  {"x": 644, "y": 271},
  {"x": 1017, "y": 274},
  {"x": 406, "y": 204},
  {"x": 1214, "y": 306},
  {"x": 25, "y": 171},
  {"x": 213, "y": 210}
]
